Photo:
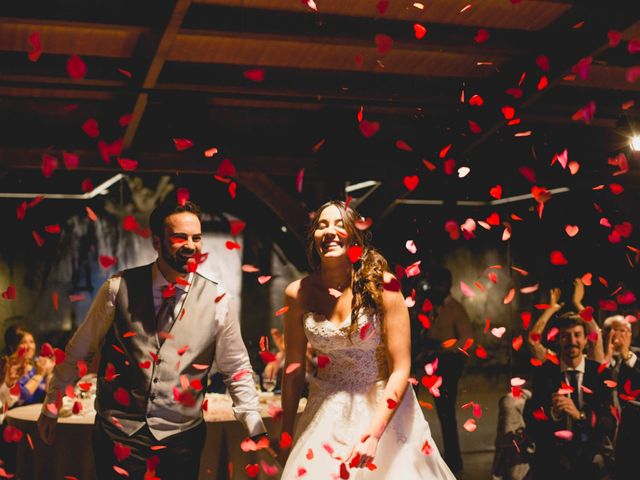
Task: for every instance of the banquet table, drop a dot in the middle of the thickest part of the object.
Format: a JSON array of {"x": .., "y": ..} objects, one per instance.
[{"x": 71, "y": 456}]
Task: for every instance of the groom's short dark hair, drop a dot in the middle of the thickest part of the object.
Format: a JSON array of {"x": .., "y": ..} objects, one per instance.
[{"x": 167, "y": 208}]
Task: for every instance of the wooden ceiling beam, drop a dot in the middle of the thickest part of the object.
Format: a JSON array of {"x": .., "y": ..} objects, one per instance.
[
  {"x": 341, "y": 29},
  {"x": 150, "y": 162},
  {"x": 290, "y": 212},
  {"x": 531, "y": 15},
  {"x": 586, "y": 41},
  {"x": 162, "y": 50}
]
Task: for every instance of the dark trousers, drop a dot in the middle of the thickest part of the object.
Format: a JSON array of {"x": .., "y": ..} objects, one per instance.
[
  {"x": 8, "y": 452},
  {"x": 179, "y": 457},
  {"x": 450, "y": 366},
  {"x": 555, "y": 461}
]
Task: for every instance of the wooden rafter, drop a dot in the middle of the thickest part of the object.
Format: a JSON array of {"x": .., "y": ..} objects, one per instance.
[{"x": 160, "y": 56}]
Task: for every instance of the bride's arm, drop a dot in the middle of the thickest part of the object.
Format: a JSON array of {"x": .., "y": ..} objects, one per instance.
[
  {"x": 397, "y": 340},
  {"x": 295, "y": 353}
]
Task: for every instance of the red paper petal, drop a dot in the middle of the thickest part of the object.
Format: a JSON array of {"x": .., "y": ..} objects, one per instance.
[
  {"x": 122, "y": 397},
  {"x": 38, "y": 239},
  {"x": 508, "y": 112},
  {"x": 91, "y": 128},
  {"x": 476, "y": 101},
  {"x": 496, "y": 192},
  {"x": 125, "y": 119},
  {"x": 71, "y": 160},
  {"x": 382, "y": 6},
  {"x": 76, "y": 68},
  {"x": 182, "y": 144},
  {"x": 121, "y": 451},
  {"x": 182, "y": 195},
  {"x": 481, "y": 36},
  {"x": 402, "y": 145},
  {"x": 323, "y": 361},
  {"x": 232, "y": 245},
  {"x": 237, "y": 226},
  {"x": 255, "y": 75},
  {"x": 129, "y": 223},
  {"x": 299, "y": 180},
  {"x": 474, "y": 127},
  {"x": 107, "y": 261},
  {"x": 383, "y": 42},
  {"x": 9, "y": 293},
  {"x": 49, "y": 165},
  {"x": 354, "y": 253},
  {"x": 614, "y": 38},
  {"x": 34, "y": 40},
  {"x": 124, "y": 72},
  {"x": 419, "y": 31},
  {"x": 411, "y": 182},
  {"x": 87, "y": 185},
  {"x": 557, "y": 258},
  {"x": 127, "y": 164},
  {"x": 226, "y": 168},
  {"x": 369, "y": 129}
]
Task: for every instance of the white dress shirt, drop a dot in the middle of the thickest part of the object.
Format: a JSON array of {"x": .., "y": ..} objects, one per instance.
[
  {"x": 579, "y": 378},
  {"x": 88, "y": 339}
]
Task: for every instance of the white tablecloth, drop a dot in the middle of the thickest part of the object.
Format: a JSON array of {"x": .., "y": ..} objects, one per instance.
[{"x": 71, "y": 454}]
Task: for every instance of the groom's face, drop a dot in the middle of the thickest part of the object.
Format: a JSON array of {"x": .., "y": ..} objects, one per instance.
[{"x": 182, "y": 241}]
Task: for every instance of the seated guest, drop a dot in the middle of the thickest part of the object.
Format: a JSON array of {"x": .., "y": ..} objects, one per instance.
[
  {"x": 512, "y": 457},
  {"x": 627, "y": 368},
  {"x": 569, "y": 414},
  {"x": 594, "y": 348},
  {"x": 21, "y": 346},
  {"x": 12, "y": 369},
  {"x": 617, "y": 338}
]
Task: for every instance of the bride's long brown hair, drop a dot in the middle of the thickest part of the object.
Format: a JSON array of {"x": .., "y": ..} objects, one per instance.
[{"x": 368, "y": 272}]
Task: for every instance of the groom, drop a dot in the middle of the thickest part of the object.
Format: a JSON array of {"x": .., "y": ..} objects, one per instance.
[{"x": 158, "y": 329}]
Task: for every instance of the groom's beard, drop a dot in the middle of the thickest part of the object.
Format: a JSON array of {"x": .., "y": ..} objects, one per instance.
[{"x": 179, "y": 261}]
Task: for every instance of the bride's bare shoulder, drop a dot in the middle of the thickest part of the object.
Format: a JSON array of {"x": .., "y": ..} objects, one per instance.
[{"x": 298, "y": 289}]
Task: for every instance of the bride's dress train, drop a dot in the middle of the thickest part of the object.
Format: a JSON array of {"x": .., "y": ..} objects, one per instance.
[{"x": 342, "y": 400}]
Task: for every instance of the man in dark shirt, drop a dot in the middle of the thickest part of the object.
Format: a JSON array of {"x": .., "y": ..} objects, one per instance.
[{"x": 569, "y": 415}]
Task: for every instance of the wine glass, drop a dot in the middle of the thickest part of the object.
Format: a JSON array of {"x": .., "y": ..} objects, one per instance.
[{"x": 269, "y": 384}]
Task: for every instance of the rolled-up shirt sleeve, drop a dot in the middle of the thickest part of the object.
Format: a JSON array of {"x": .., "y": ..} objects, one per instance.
[
  {"x": 85, "y": 343},
  {"x": 233, "y": 362}
]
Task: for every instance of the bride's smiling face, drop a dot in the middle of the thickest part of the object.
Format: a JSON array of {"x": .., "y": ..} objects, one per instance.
[{"x": 330, "y": 236}]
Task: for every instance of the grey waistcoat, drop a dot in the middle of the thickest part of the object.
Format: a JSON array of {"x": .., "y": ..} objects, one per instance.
[{"x": 150, "y": 383}]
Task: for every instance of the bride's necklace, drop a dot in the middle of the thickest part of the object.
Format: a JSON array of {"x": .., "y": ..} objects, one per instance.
[{"x": 341, "y": 286}]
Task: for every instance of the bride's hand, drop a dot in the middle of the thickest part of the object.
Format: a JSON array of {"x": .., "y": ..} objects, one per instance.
[{"x": 363, "y": 452}]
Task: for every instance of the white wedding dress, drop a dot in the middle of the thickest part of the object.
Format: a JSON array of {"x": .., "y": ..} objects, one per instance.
[{"x": 342, "y": 399}]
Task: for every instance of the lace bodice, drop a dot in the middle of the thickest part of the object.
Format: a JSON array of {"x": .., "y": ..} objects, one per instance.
[
  {"x": 344, "y": 397},
  {"x": 355, "y": 361}
]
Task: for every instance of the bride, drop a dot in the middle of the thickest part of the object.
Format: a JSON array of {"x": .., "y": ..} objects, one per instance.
[{"x": 361, "y": 420}]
